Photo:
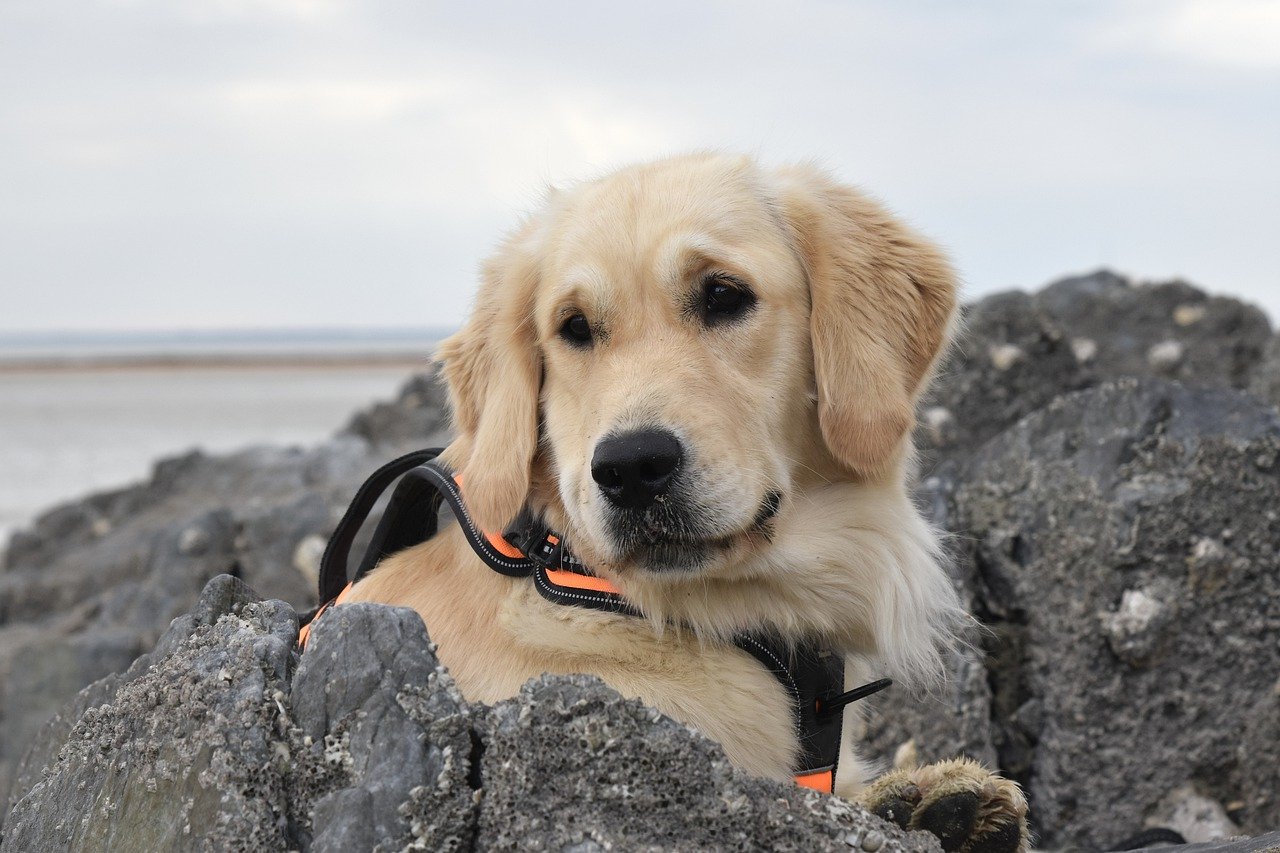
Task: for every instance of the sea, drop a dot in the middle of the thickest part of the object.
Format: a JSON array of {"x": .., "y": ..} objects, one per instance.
[{"x": 84, "y": 412}]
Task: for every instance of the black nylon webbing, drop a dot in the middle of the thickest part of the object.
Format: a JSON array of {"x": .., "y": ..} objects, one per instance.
[{"x": 333, "y": 565}]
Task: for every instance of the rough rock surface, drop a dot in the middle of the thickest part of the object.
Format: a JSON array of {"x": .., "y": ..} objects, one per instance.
[
  {"x": 1121, "y": 549},
  {"x": 1265, "y": 381},
  {"x": 1269, "y": 843},
  {"x": 1123, "y": 544},
  {"x": 1018, "y": 351},
  {"x": 220, "y": 740},
  {"x": 94, "y": 584}
]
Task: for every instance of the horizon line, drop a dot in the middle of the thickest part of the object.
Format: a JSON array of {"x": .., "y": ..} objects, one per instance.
[{"x": 99, "y": 334}]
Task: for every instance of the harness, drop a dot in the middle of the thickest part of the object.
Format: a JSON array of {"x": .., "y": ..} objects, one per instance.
[{"x": 812, "y": 676}]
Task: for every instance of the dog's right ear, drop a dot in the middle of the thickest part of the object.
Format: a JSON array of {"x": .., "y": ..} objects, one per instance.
[{"x": 493, "y": 368}]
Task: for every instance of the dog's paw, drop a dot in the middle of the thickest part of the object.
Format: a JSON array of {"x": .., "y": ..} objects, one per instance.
[{"x": 969, "y": 808}]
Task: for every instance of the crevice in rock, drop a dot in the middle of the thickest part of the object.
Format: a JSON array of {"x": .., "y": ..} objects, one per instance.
[
  {"x": 475, "y": 777},
  {"x": 1147, "y": 434},
  {"x": 1015, "y": 715}
]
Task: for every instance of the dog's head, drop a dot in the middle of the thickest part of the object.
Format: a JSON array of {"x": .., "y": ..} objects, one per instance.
[{"x": 665, "y": 359}]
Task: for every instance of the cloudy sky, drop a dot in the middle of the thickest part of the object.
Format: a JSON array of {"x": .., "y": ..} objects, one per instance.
[{"x": 226, "y": 163}]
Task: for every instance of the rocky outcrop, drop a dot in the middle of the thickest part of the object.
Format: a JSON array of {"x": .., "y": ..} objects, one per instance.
[
  {"x": 94, "y": 584},
  {"x": 220, "y": 739},
  {"x": 1017, "y": 351},
  {"x": 1123, "y": 550},
  {"x": 1109, "y": 627},
  {"x": 1103, "y": 453}
]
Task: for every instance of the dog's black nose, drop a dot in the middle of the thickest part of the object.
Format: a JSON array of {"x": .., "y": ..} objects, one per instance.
[{"x": 634, "y": 468}]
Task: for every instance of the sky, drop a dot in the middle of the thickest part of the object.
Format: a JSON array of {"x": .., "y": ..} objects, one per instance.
[{"x": 292, "y": 163}]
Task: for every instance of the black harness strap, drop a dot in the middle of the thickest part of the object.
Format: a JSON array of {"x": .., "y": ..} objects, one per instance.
[
  {"x": 812, "y": 676},
  {"x": 333, "y": 565}
]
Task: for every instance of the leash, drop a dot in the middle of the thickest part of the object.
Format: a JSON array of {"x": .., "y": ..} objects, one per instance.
[{"x": 811, "y": 675}]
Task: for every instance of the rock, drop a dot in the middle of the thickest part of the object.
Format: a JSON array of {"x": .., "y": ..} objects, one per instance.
[
  {"x": 940, "y": 424},
  {"x": 370, "y": 697},
  {"x": 1165, "y": 357},
  {"x": 1123, "y": 545},
  {"x": 571, "y": 746},
  {"x": 1268, "y": 843},
  {"x": 420, "y": 411},
  {"x": 1200, "y": 339},
  {"x": 307, "y": 555},
  {"x": 1005, "y": 356},
  {"x": 177, "y": 754},
  {"x": 1192, "y": 815},
  {"x": 1265, "y": 381},
  {"x": 1134, "y": 630},
  {"x": 1018, "y": 351},
  {"x": 948, "y": 721},
  {"x": 1084, "y": 349},
  {"x": 93, "y": 584},
  {"x": 985, "y": 387},
  {"x": 215, "y": 740},
  {"x": 266, "y": 544}
]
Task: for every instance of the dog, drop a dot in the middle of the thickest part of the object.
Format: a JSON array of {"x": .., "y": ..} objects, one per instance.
[{"x": 704, "y": 373}]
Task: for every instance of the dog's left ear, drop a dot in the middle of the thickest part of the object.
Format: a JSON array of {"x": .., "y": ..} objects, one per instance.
[
  {"x": 493, "y": 368},
  {"x": 882, "y": 301}
]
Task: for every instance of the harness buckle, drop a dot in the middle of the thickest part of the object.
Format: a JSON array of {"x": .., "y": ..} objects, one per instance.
[
  {"x": 546, "y": 551},
  {"x": 537, "y": 543}
]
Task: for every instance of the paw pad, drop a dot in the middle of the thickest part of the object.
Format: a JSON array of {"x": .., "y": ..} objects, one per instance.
[{"x": 968, "y": 808}]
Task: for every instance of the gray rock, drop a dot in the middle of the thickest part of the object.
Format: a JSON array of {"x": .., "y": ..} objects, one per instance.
[
  {"x": 95, "y": 583},
  {"x": 418, "y": 413},
  {"x": 568, "y": 764},
  {"x": 1265, "y": 381},
  {"x": 370, "y": 696},
  {"x": 1195, "y": 817},
  {"x": 1018, "y": 351},
  {"x": 1268, "y": 843},
  {"x": 179, "y": 755},
  {"x": 1170, "y": 329},
  {"x": 214, "y": 741},
  {"x": 950, "y": 720},
  {"x": 1128, "y": 658}
]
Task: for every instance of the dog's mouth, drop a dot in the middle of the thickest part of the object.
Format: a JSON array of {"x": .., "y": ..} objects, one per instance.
[{"x": 662, "y": 543}]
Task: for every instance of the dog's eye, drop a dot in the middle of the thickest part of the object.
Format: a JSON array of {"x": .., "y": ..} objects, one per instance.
[
  {"x": 723, "y": 300},
  {"x": 577, "y": 331}
]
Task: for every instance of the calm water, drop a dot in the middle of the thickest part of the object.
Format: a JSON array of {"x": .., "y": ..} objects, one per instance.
[
  {"x": 66, "y": 432},
  {"x": 193, "y": 345}
]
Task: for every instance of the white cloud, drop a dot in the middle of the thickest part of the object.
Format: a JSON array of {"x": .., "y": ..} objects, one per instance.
[
  {"x": 329, "y": 100},
  {"x": 238, "y": 11},
  {"x": 1241, "y": 34}
]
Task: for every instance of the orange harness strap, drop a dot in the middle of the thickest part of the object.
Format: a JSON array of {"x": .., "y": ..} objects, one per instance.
[
  {"x": 304, "y": 633},
  {"x": 560, "y": 577},
  {"x": 822, "y": 780}
]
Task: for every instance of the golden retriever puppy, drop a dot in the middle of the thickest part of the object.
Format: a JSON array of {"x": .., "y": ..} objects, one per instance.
[{"x": 703, "y": 373}]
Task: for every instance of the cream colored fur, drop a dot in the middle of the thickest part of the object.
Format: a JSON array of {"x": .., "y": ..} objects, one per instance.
[{"x": 812, "y": 394}]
